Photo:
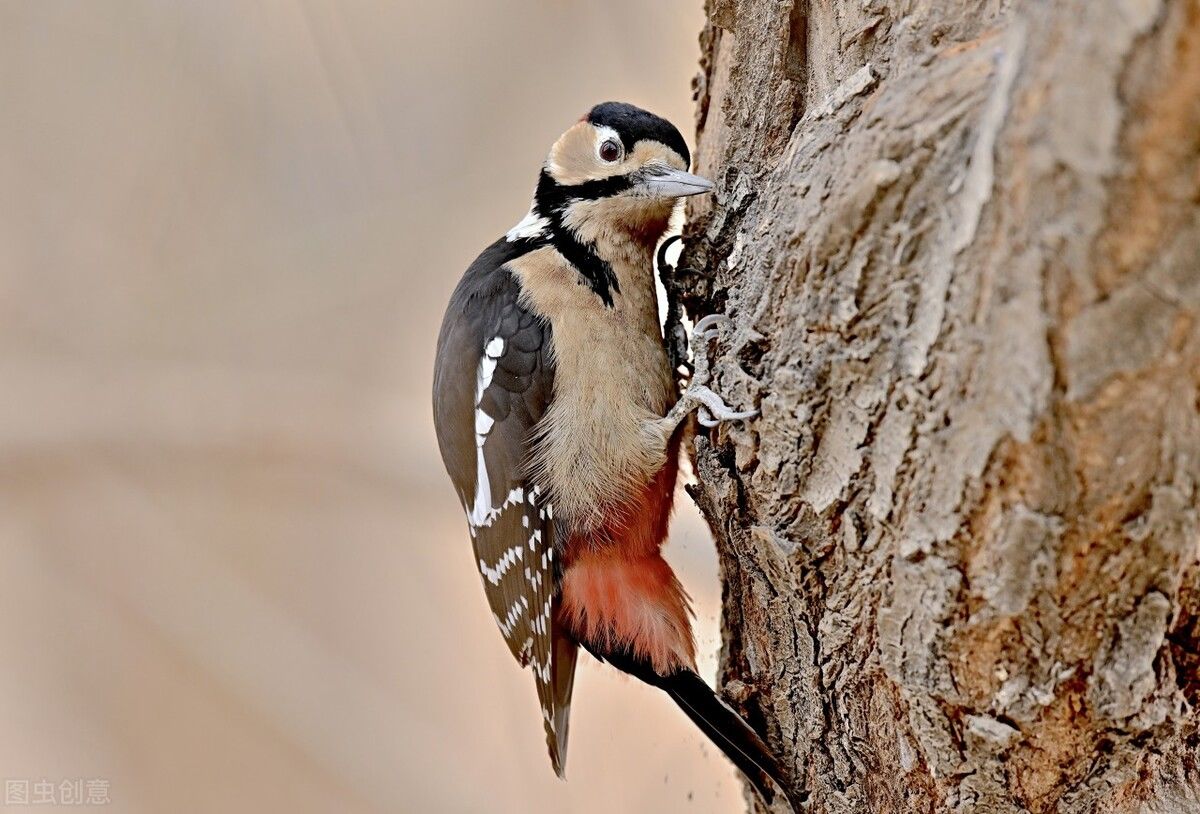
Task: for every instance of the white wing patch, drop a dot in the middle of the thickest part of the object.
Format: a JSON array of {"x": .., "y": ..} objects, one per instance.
[{"x": 482, "y": 513}]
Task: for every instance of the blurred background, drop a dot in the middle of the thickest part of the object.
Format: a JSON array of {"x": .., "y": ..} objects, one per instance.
[{"x": 234, "y": 575}]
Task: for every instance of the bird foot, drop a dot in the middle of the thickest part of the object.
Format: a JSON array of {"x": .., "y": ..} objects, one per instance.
[{"x": 710, "y": 408}]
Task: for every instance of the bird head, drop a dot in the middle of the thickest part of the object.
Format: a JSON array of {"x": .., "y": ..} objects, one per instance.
[{"x": 618, "y": 170}]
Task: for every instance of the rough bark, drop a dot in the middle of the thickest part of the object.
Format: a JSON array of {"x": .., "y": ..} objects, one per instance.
[{"x": 961, "y": 246}]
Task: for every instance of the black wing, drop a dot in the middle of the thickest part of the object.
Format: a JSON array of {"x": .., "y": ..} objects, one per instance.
[{"x": 493, "y": 380}]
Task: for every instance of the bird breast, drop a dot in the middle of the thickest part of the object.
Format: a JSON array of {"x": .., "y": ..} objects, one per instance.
[{"x": 598, "y": 445}]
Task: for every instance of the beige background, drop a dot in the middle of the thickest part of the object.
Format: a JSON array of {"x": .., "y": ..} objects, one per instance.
[{"x": 234, "y": 574}]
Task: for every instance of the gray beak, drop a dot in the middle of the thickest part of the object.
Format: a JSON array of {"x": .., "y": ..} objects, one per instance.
[{"x": 665, "y": 182}]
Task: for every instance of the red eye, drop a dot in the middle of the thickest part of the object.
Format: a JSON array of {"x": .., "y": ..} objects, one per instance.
[{"x": 610, "y": 150}]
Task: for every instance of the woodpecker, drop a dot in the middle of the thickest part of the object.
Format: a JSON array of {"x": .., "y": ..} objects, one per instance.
[{"x": 559, "y": 420}]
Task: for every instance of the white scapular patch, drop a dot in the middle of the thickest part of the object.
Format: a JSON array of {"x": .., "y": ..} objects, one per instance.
[
  {"x": 482, "y": 513},
  {"x": 531, "y": 226},
  {"x": 507, "y": 560}
]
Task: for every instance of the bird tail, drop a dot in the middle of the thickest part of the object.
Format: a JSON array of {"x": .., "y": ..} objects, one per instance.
[
  {"x": 555, "y": 696},
  {"x": 729, "y": 732}
]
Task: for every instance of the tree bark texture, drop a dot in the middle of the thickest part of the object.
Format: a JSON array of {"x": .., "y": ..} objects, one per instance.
[{"x": 960, "y": 242}]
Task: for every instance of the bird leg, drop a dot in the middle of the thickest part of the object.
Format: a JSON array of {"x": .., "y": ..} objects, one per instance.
[{"x": 710, "y": 408}]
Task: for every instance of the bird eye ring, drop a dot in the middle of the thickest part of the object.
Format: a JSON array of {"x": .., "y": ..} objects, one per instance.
[{"x": 610, "y": 150}]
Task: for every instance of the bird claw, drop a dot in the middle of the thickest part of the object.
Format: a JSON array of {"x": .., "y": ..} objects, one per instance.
[
  {"x": 712, "y": 409},
  {"x": 710, "y": 321},
  {"x": 708, "y": 328}
]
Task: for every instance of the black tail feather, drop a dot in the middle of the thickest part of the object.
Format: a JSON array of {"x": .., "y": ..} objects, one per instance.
[{"x": 728, "y": 731}]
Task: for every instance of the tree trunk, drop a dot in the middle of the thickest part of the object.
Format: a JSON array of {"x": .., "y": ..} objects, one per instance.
[{"x": 960, "y": 243}]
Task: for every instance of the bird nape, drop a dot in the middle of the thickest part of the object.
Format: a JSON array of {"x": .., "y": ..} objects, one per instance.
[{"x": 560, "y": 421}]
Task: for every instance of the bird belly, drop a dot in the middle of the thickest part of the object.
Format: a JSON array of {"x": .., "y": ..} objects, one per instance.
[
  {"x": 598, "y": 449},
  {"x": 618, "y": 593},
  {"x": 598, "y": 445}
]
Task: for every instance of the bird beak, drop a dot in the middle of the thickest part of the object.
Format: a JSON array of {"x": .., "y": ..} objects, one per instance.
[{"x": 667, "y": 182}]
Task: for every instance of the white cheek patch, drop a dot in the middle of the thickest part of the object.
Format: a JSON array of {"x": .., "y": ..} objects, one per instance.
[{"x": 575, "y": 158}]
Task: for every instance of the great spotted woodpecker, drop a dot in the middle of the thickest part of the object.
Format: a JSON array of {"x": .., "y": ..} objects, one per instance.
[{"x": 559, "y": 421}]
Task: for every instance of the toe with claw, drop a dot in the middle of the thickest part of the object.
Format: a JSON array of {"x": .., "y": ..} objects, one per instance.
[
  {"x": 710, "y": 408},
  {"x": 709, "y": 327}
]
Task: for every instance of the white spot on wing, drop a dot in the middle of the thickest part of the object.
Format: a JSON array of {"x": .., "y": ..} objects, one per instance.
[
  {"x": 515, "y": 611},
  {"x": 488, "y": 516},
  {"x": 507, "y": 560}
]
